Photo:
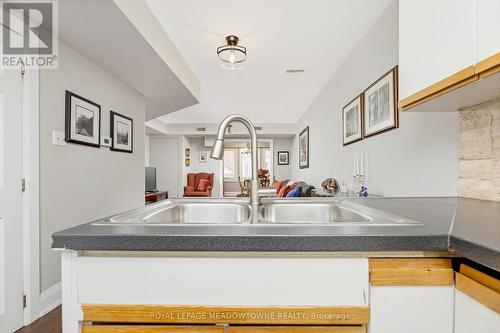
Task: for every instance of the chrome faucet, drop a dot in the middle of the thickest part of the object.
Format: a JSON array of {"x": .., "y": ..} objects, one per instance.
[{"x": 218, "y": 151}]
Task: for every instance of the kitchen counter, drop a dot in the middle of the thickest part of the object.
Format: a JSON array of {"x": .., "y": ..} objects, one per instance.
[
  {"x": 475, "y": 233},
  {"x": 480, "y": 243}
]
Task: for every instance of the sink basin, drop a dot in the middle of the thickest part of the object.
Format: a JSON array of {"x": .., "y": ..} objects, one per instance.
[
  {"x": 291, "y": 213},
  {"x": 185, "y": 212},
  {"x": 201, "y": 213}
]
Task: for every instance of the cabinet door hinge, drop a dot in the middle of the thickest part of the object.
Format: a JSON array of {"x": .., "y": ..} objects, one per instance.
[
  {"x": 25, "y": 302},
  {"x": 23, "y": 185}
]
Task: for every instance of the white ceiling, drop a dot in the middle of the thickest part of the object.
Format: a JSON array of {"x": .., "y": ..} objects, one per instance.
[
  {"x": 99, "y": 30},
  {"x": 316, "y": 35}
]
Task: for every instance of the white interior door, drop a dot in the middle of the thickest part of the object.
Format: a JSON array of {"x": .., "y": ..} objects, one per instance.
[{"x": 11, "y": 245}]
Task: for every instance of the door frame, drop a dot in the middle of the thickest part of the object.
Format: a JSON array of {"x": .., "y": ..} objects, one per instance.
[{"x": 31, "y": 198}]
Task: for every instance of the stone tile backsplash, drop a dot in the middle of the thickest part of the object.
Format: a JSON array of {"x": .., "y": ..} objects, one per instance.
[{"x": 479, "y": 154}]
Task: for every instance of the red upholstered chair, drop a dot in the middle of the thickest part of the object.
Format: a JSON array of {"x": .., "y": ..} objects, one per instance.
[{"x": 195, "y": 189}]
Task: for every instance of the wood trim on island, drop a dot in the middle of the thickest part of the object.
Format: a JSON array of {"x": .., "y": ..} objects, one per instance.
[
  {"x": 411, "y": 272},
  {"x": 248, "y": 315},
  {"x": 468, "y": 75},
  {"x": 479, "y": 292},
  {"x": 151, "y": 329},
  {"x": 485, "y": 279},
  {"x": 291, "y": 329}
]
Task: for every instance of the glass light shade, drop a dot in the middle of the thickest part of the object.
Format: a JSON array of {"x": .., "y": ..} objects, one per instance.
[{"x": 232, "y": 53}]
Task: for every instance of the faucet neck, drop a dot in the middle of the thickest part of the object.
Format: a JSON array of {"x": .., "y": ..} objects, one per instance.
[{"x": 254, "y": 184}]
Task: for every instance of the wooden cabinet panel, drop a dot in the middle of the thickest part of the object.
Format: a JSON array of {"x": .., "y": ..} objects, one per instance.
[
  {"x": 410, "y": 272},
  {"x": 151, "y": 329},
  {"x": 436, "y": 40},
  {"x": 291, "y": 329},
  {"x": 488, "y": 28},
  {"x": 411, "y": 296},
  {"x": 477, "y": 301}
]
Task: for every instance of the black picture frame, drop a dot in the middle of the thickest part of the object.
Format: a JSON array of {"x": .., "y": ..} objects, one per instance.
[
  {"x": 304, "y": 133},
  {"x": 287, "y": 154},
  {"x": 115, "y": 146},
  {"x": 72, "y": 135}
]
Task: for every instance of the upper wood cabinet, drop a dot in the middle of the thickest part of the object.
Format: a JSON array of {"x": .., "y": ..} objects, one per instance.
[
  {"x": 436, "y": 40},
  {"x": 449, "y": 53},
  {"x": 488, "y": 28}
]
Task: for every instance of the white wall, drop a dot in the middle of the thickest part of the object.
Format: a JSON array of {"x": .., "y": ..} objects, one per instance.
[
  {"x": 164, "y": 156},
  {"x": 146, "y": 150},
  {"x": 78, "y": 183},
  {"x": 417, "y": 159}
]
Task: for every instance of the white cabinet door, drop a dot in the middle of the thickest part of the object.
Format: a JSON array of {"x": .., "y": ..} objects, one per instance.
[
  {"x": 473, "y": 317},
  {"x": 436, "y": 40},
  {"x": 488, "y": 28},
  {"x": 411, "y": 309}
]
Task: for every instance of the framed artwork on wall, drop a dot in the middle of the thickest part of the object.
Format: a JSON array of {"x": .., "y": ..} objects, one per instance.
[
  {"x": 283, "y": 158},
  {"x": 304, "y": 148},
  {"x": 187, "y": 162},
  {"x": 380, "y": 103},
  {"x": 352, "y": 121},
  {"x": 83, "y": 120},
  {"x": 187, "y": 152},
  {"x": 121, "y": 130},
  {"x": 202, "y": 157}
]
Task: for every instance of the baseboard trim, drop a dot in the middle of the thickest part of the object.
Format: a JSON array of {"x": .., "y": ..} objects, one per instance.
[{"x": 50, "y": 299}]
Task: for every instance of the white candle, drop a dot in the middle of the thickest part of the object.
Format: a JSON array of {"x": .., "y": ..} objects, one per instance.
[
  {"x": 362, "y": 172},
  {"x": 355, "y": 167}
]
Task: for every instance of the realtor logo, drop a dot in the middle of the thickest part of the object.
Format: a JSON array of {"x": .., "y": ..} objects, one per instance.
[{"x": 29, "y": 33}]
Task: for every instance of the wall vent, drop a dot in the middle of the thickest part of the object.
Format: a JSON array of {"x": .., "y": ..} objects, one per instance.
[
  {"x": 201, "y": 129},
  {"x": 296, "y": 70},
  {"x": 258, "y": 128}
]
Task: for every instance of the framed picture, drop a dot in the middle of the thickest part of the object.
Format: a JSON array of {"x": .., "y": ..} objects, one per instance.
[
  {"x": 304, "y": 148},
  {"x": 202, "y": 157},
  {"x": 380, "y": 103},
  {"x": 83, "y": 120},
  {"x": 283, "y": 158},
  {"x": 187, "y": 162},
  {"x": 352, "y": 121},
  {"x": 187, "y": 152},
  {"x": 122, "y": 129}
]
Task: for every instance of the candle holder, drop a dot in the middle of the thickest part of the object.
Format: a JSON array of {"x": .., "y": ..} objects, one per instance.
[{"x": 359, "y": 181}]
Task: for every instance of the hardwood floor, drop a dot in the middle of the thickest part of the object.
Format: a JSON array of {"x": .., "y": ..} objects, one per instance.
[{"x": 50, "y": 323}]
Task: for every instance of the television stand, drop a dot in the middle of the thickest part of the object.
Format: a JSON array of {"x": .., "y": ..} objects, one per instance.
[{"x": 156, "y": 196}]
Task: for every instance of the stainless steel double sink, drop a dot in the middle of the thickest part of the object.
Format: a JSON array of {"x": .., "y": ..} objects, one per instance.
[{"x": 271, "y": 212}]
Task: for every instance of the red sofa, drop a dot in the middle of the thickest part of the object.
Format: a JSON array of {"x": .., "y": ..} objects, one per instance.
[{"x": 193, "y": 188}]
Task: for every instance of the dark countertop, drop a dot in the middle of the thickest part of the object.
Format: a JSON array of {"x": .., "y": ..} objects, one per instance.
[{"x": 475, "y": 233}]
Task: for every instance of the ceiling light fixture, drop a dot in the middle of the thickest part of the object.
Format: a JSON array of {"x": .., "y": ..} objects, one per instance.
[{"x": 232, "y": 54}]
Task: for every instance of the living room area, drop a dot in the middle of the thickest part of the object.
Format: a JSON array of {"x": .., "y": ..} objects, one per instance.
[{"x": 179, "y": 164}]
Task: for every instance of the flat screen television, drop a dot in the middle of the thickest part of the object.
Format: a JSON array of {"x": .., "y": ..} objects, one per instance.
[{"x": 150, "y": 179}]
